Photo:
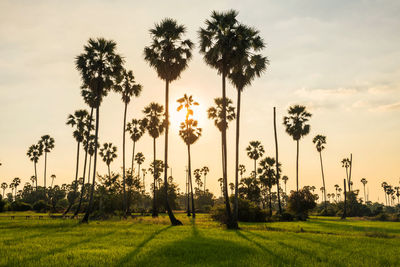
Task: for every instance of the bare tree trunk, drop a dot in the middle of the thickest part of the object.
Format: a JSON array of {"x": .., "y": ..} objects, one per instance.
[
  {"x": 345, "y": 200},
  {"x": 90, "y": 207},
  {"x": 297, "y": 166},
  {"x": 76, "y": 180},
  {"x": 190, "y": 182},
  {"x": 323, "y": 177},
  {"x": 125, "y": 204},
  {"x": 187, "y": 191},
  {"x": 236, "y": 204},
  {"x": 133, "y": 155},
  {"x": 351, "y": 166},
  {"x": 154, "y": 211},
  {"x": 277, "y": 163},
  {"x": 35, "y": 176},
  {"x": 45, "y": 166}
]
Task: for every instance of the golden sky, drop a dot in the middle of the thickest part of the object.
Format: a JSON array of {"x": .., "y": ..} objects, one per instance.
[{"x": 339, "y": 58}]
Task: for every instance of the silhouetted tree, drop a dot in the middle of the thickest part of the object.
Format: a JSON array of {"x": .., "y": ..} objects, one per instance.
[
  {"x": 320, "y": 141},
  {"x": 108, "y": 153},
  {"x": 139, "y": 158},
  {"x": 47, "y": 143},
  {"x": 4, "y": 187},
  {"x": 346, "y": 163},
  {"x": 364, "y": 182},
  {"x": 285, "y": 179},
  {"x": 205, "y": 170},
  {"x": 255, "y": 150},
  {"x": 34, "y": 153}
]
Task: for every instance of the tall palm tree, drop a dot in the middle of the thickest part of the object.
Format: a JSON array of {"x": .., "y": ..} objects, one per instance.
[
  {"x": 197, "y": 176},
  {"x": 319, "y": 141},
  {"x": 108, "y": 153},
  {"x": 128, "y": 89},
  {"x": 285, "y": 179},
  {"x": 346, "y": 163},
  {"x": 384, "y": 186},
  {"x": 190, "y": 133},
  {"x": 34, "y": 153},
  {"x": 268, "y": 176},
  {"x": 364, "y": 182},
  {"x": 297, "y": 127},
  {"x": 100, "y": 68},
  {"x": 169, "y": 54},
  {"x": 139, "y": 158},
  {"x": 245, "y": 70},
  {"x": 4, "y": 187},
  {"x": 16, "y": 182},
  {"x": 336, "y": 189},
  {"x": 205, "y": 170},
  {"x": 53, "y": 177},
  {"x": 47, "y": 142},
  {"x": 12, "y": 186},
  {"x": 136, "y": 128},
  {"x": 255, "y": 150},
  {"x": 155, "y": 127},
  {"x": 33, "y": 180},
  {"x": 220, "y": 44}
]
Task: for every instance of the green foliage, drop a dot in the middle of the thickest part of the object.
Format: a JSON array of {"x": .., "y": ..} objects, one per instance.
[
  {"x": 40, "y": 206},
  {"x": 301, "y": 202},
  {"x": 248, "y": 212},
  {"x": 20, "y": 206}
]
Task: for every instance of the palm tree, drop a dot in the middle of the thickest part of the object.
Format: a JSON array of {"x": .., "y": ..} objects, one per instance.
[
  {"x": 12, "y": 186},
  {"x": 346, "y": 163},
  {"x": 139, "y": 158},
  {"x": 53, "y": 176},
  {"x": 197, "y": 177},
  {"x": 255, "y": 150},
  {"x": 128, "y": 89},
  {"x": 320, "y": 141},
  {"x": 364, "y": 182},
  {"x": 155, "y": 127},
  {"x": 231, "y": 187},
  {"x": 108, "y": 153},
  {"x": 100, "y": 67},
  {"x": 323, "y": 193},
  {"x": 4, "y": 187},
  {"x": 205, "y": 170},
  {"x": 77, "y": 120},
  {"x": 397, "y": 193},
  {"x": 384, "y": 186},
  {"x": 33, "y": 180},
  {"x": 244, "y": 71},
  {"x": 34, "y": 153},
  {"x": 268, "y": 176},
  {"x": 220, "y": 44},
  {"x": 190, "y": 133},
  {"x": 285, "y": 179},
  {"x": 16, "y": 182},
  {"x": 297, "y": 127},
  {"x": 169, "y": 54},
  {"x": 136, "y": 129},
  {"x": 336, "y": 189},
  {"x": 242, "y": 170},
  {"x": 144, "y": 172},
  {"x": 47, "y": 143}
]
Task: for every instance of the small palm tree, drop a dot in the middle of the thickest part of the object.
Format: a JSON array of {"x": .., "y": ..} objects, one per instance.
[
  {"x": 12, "y": 186},
  {"x": 197, "y": 177},
  {"x": 242, "y": 170},
  {"x": 155, "y": 127},
  {"x": 34, "y": 153},
  {"x": 139, "y": 158},
  {"x": 268, "y": 177},
  {"x": 336, "y": 189},
  {"x": 231, "y": 187},
  {"x": 364, "y": 182},
  {"x": 285, "y": 179},
  {"x": 320, "y": 141},
  {"x": 205, "y": 170},
  {"x": 190, "y": 133},
  {"x": 297, "y": 127},
  {"x": 346, "y": 163},
  {"x": 16, "y": 182},
  {"x": 169, "y": 54},
  {"x": 4, "y": 187},
  {"x": 53, "y": 177},
  {"x": 108, "y": 153},
  {"x": 128, "y": 89},
  {"x": 255, "y": 150},
  {"x": 136, "y": 128},
  {"x": 384, "y": 187},
  {"x": 47, "y": 142},
  {"x": 33, "y": 180}
]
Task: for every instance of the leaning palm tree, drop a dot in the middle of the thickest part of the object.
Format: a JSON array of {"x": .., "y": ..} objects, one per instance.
[
  {"x": 108, "y": 153},
  {"x": 190, "y": 133},
  {"x": 255, "y": 150},
  {"x": 169, "y": 55},
  {"x": 155, "y": 127},
  {"x": 297, "y": 127},
  {"x": 4, "y": 187},
  {"x": 47, "y": 143},
  {"x": 320, "y": 141},
  {"x": 220, "y": 45},
  {"x": 139, "y": 158},
  {"x": 136, "y": 128},
  {"x": 128, "y": 89},
  {"x": 364, "y": 182},
  {"x": 34, "y": 153},
  {"x": 100, "y": 68},
  {"x": 205, "y": 170},
  {"x": 245, "y": 70}
]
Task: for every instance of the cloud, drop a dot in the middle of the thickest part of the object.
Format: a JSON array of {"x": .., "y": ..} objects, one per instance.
[{"x": 389, "y": 107}]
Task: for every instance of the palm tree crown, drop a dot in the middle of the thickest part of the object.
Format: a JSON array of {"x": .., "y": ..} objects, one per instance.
[
  {"x": 153, "y": 119},
  {"x": 215, "y": 113},
  {"x": 127, "y": 86},
  {"x": 255, "y": 150},
  {"x": 34, "y": 152},
  {"x": 108, "y": 153},
  {"x": 47, "y": 143},
  {"x": 79, "y": 120},
  {"x": 319, "y": 141},
  {"x": 296, "y": 122}
]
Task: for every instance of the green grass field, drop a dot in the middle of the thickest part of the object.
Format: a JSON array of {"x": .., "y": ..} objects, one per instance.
[{"x": 152, "y": 242}]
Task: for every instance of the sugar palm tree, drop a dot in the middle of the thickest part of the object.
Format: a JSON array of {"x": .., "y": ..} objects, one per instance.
[
  {"x": 4, "y": 187},
  {"x": 190, "y": 133},
  {"x": 285, "y": 179},
  {"x": 16, "y": 182},
  {"x": 320, "y": 141},
  {"x": 346, "y": 163},
  {"x": 169, "y": 54},
  {"x": 139, "y": 158},
  {"x": 47, "y": 142},
  {"x": 108, "y": 153},
  {"x": 155, "y": 127},
  {"x": 384, "y": 186},
  {"x": 297, "y": 127},
  {"x": 53, "y": 177},
  {"x": 100, "y": 68},
  {"x": 197, "y": 177},
  {"x": 128, "y": 88},
  {"x": 12, "y": 186},
  {"x": 34, "y": 153},
  {"x": 205, "y": 170},
  {"x": 33, "y": 180},
  {"x": 268, "y": 176},
  {"x": 242, "y": 170},
  {"x": 245, "y": 70},
  {"x": 336, "y": 189},
  {"x": 220, "y": 46},
  {"x": 255, "y": 150},
  {"x": 231, "y": 187},
  {"x": 364, "y": 182},
  {"x": 136, "y": 128}
]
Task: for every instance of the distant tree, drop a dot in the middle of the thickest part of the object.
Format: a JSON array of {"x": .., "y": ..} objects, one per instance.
[
  {"x": 384, "y": 187},
  {"x": 346, "y": 163},
  {"x": 364, "y": 182},
  {"x": 33, "y": 180},
  {"x": 205, "y": 170},
  {"x": 12, "y": 187},
  {"x": 242, "y": 170},
  {"x": 139, "y": 158},
  {"x": 34, "y": 153},
  {"x": 255, "y": 150},
  {"x": 336, "y": 189},
  {"x": 108, "y": 153},
  {"x": 136, "y": 129},
  {"x": 320, "y": 141},
  {"x": 267, "y": 175},
  {"x": 297, "y": 127},
  {"x": 4, "y": 187},
  {"x": 232, "y": 187},
  {"x": 53, "y": 177},
  {"x": 47, "y": 143},
  {"x": 285, "y": 179}
]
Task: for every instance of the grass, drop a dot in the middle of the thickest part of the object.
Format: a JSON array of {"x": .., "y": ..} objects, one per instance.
[{"x": 145, "y": 241}]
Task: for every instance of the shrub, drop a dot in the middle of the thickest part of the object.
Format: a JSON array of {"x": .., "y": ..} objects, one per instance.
[
  {"x": 2, "y": 205},
  {"x": 40, "y": 206},
  {"x": 218, "y": 213},
  {"x": 301, "y": 202},
  {"x": 20, "y": 206},
  {"x": 248, "y": 212}
]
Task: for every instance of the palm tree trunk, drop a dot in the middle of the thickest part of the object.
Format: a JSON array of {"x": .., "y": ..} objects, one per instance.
[
  {"x": 34, "y": 164},
  {"x": 270, "y": 202},
  {"x": 187, "y": 192},
  {"x": 90, "y": 207},
  {"x": 365, "y": 196},
  {"x": 351, "y": 165},
  {"x": 190, "y": 182},
  {"x": 76, "y": 180},
  {"x": 171, "y": 216},
  {"x": 345, "y": 200},
  {"x": 84, "y": 167},
  {"x": 125, "y": 204},
  {"x": 45, "y": 166},
  {"x": 236, "y": 205},
  {"x": 323, "y": 176},
  {"x": 90, "y": 166},
  {"x": 297, "y": 166},
  {"x": 255, "y": 169},
  {"x": 205, "y": 178},
  {"x": 277, "y": 163},
  {"x": 154, "y": 211},
  {"x": 133, "y": 155}
]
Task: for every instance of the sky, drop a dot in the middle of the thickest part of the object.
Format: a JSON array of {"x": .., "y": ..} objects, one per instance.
[{"x": 339, "y": 58}]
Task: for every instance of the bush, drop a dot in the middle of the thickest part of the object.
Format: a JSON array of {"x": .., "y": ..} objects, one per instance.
[
  {"x": 2, "y": 205},
  {"x": 20, "y": 206},
  {"x": 286, "y": 217},
  {"x": 40, "y": 206},
  {"x": 218, "y": 213},
  {"x": 301, "y": 202}
]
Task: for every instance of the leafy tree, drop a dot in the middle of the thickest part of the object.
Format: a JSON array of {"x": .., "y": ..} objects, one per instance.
[
  {"x": 250, "y": 189},
  {"x": 100, "y": 68},
  {"x": 297, "y": 127},
  {"x": 53, "y": 177},
  {"x": 301, "y": 202},
  {"x": 255, "y": 150},
  {"x": 242, "y": 170},
  {"x": 34, "y": 153},
  {"x": 47, "y": 143},
  {"x": 197, "y": 176},
  {"x": 320, "y": 141},
  {"x": 108, "y": 153},
  {"x": 169, "y": 55},
  {"x": 155, "y": 127}
]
